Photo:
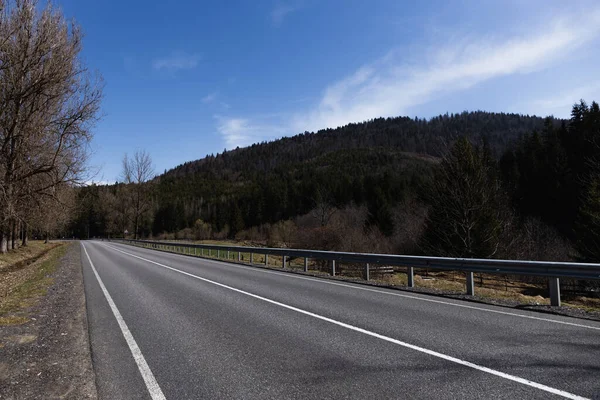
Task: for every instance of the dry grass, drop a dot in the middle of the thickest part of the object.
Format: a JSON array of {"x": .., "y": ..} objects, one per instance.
[
  {"x": 486, "y": 285},
  {"x": 456, "y": 282},
  {"x": 23, "y": 255},
  {"x": 23, "y": 288}
]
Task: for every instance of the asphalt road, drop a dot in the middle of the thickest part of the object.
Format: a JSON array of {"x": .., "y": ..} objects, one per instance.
[{"x": 177, "y": 327}]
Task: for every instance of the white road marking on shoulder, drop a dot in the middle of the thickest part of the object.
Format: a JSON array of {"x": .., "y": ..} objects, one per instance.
[
  {"x": 465, "y": 363},
  {"x": 151, "y": 383},
  {"x": 408, "y": 296}
]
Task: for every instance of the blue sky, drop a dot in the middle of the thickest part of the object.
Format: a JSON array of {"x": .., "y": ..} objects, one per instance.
[{"x": 189, "y": 78}]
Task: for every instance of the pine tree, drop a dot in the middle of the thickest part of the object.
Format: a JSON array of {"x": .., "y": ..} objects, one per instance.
[
  {"x": 588, "y": 224},
  {"x": 466, "y": 217}
]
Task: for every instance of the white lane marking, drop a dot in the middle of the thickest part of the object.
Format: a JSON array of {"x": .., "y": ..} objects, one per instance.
[
  {"x": 151, "y": 384},
  {"x": 513, "y": 378},
  {"x": 408, "y": 296}
]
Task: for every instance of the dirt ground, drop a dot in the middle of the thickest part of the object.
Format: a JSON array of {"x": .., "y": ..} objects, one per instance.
[{"x": 47, "y": 356}]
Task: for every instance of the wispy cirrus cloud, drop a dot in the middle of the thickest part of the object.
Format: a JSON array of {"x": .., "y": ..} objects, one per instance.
[
  {"x": 389, "y": 87},
  {"x": 282, "y": 10},
  {"x": 209, "y": 98},
  {"x": 176, "y": 61},
  {"x": 392, "y": 86},
  {"x": 240, "y": 132},
  {"x": 560, "y": 105}
]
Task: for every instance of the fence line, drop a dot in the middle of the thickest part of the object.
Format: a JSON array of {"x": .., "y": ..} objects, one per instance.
[{"x": 553, "y": 271}]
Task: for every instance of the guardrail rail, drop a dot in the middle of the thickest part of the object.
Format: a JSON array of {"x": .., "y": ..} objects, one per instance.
[{"x": 552, "y": 270}]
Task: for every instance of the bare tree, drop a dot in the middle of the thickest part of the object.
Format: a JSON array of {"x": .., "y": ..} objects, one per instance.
[
  {"x": 137, "y": 171},
  {"x": 324, "y": 207},
  {"x": 49, "y": 103}
]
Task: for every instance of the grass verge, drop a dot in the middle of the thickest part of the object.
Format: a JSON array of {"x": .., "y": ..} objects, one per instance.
[
  {"x": 25, "y": 289},
  {"x": 25, "y": 255}
]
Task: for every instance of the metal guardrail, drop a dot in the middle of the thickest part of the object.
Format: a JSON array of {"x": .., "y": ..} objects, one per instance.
[{"x": 552, "y": 270}]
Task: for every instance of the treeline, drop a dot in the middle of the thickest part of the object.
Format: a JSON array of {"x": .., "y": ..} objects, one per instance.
[
  {"x": 553, "y": 175},
  {"x": 49, "y": 103},
  {"x": 375, "y": 163},
  {"x": 421, "y": 136},
  {"x": 469, "y": 185}
]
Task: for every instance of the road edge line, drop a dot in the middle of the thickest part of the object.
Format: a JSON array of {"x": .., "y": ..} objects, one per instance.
[
  {"x": 443, "y": 356},
  {"x": 151, "y": 384}
]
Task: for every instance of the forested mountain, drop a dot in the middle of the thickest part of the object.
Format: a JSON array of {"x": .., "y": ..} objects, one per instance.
[
  {"x": 421, "y": 136},
  {"x": 514, "y": 185},
  {"x": 376, "y": 163}
]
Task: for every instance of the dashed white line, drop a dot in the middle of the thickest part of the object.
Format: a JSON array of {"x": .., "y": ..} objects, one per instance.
[
  {"x": 149, "y": 379},
  {"x": 465, "y": 363}
]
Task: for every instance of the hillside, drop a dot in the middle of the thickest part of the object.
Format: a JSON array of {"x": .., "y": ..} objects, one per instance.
[
  {"x": 376, "y": 164},
  {"x": 373, "y": 163},
  {"x": 421, "y": 136}
]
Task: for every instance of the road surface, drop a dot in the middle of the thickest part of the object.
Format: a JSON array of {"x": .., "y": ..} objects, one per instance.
[{"x": 177, "y": 327}]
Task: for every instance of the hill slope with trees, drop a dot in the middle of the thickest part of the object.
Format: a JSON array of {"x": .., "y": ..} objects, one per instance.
[
  {"x": 376, "y": 164},
  {"x": 468, "y": 185}
]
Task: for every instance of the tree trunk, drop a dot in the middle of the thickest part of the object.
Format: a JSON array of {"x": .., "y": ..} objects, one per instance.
[
  {"x": 3, "y": 243},
  {"x": 47, "y": 237},
  {"x": 25, "y": 241},
  {"x": 13, "y": 235}
]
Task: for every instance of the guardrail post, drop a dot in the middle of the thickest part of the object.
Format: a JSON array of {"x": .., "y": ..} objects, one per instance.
[
  {"x": 266, "y": 259},
  {"x": 470, "y": 284},
  {"x": 554, "y": 286},
  {"x": 410, "y": 277},
  {"x": 367, "y": 275},
  {"x": 239, "y": 256},
  {"x": 218, "y": 253},
  {"x": 305, "y": 264},
  {"x": 228, "y": 254},
  {"x": 283, "y": 263},
  {"x": 332, "y": 267}
]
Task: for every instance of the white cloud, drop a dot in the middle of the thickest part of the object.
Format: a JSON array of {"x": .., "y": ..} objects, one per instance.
[
  {"x": 176, "y": 61},
  {"x": 391, "y": 86},
  {"x": 243, "y": 132},
  {"x": 209, "y": 98},
  {"x": 560, "y": 105},
  {"x": 281, "y": 11}
]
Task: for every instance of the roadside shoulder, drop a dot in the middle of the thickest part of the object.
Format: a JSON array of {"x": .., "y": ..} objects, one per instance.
[{"x": 49, "y": 356}]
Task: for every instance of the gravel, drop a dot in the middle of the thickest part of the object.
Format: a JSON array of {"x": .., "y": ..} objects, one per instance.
[{"x": 49, "y": 356}]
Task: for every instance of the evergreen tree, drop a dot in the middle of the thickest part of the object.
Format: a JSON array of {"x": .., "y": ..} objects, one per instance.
[
  {"x": 588, "y": 224},
  {"x": 236, "y": 222},
  {"x": 466, "y": 217}
]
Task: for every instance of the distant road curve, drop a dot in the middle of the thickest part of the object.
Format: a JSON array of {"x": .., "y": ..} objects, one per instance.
[{"x": 175, "y": 327}]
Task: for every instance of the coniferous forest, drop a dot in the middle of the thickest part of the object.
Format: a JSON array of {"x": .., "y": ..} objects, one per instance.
[{"x": 475, "y": 184}]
